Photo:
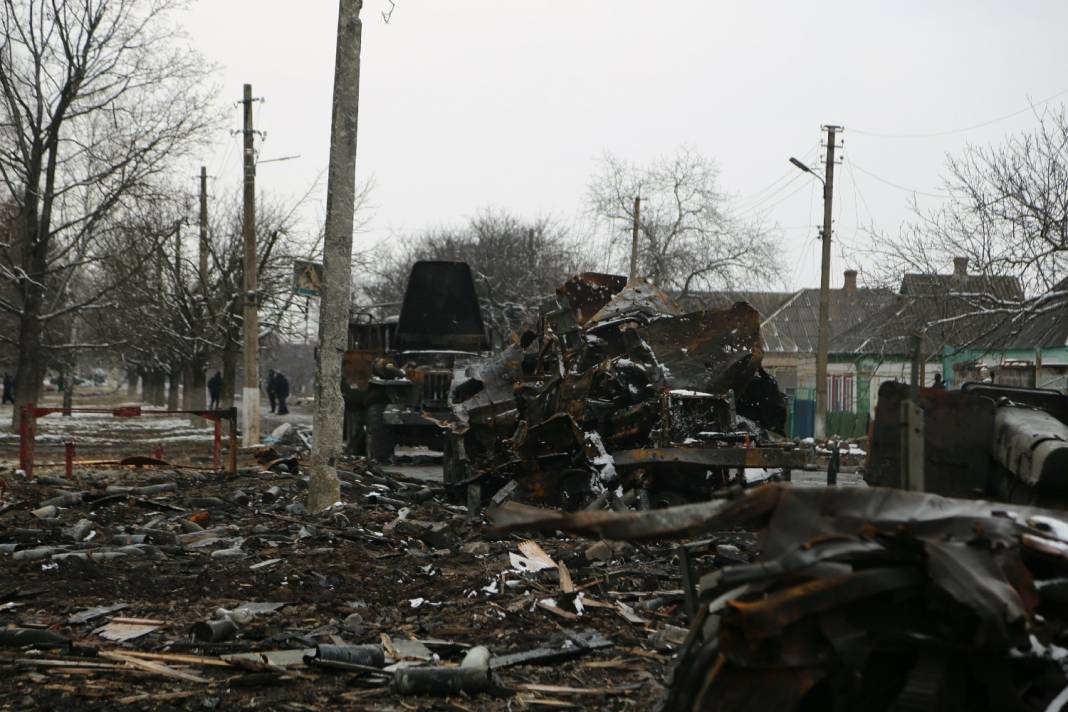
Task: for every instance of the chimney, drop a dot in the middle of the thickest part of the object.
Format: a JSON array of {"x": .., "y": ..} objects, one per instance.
[
  {"x": 850, "y": 285},
  {"x": 960, "y": 266}
]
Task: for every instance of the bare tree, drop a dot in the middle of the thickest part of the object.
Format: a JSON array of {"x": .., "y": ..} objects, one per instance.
[
  {"x": 687, "y": 239},
  {"x": 97, "y": 98},
  {"x": 165, "y": 326},
  {"x": 515, "y": 263},
  {"x": 1007, "y": 211}
]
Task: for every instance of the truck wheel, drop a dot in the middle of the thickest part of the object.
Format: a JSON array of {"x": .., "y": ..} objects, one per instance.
[
  {"x": 380, "y": 440},
  {"x": 662, "y": 499}
]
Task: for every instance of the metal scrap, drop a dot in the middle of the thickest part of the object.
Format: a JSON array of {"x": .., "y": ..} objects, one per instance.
[{"x": 612, "y": 369}]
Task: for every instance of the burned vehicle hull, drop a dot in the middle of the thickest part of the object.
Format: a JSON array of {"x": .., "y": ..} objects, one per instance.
[
  {"x": 618, "y": 397},
  {"x": 985, "y": 440},
  {"x": 398, "y": 375}
]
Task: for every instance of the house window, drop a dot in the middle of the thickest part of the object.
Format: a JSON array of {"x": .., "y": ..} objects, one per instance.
[{"x": 840, "y": 393}]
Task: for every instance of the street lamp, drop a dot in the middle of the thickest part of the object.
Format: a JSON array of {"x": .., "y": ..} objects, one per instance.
[
  {"x": 820, "y": 426},
  {"x": 803, "y": 167}
]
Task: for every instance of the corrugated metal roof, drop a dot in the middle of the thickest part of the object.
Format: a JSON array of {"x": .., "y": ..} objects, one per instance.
[
  {"x": 1043, "y": 325},
  {"x": 794, "y": 326},
  {"x": 997, "y": 286},
  {"x": 764, "y": 302},
  {"x": 950, "y": 310}
]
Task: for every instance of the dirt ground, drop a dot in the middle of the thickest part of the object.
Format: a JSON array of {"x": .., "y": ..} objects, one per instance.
[{"x": 392, "y": 564}]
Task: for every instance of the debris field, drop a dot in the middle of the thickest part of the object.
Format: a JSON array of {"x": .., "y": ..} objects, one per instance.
[{"x": 178, "y": 589}]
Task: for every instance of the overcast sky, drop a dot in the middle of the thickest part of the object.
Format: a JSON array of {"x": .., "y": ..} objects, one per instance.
[{"x": 508, "y": 103}]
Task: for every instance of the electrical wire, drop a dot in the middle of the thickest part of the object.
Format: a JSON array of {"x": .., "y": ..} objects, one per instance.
[
  {"x": 965, "y": 129},
  {"x": 764, "y": 209},
  {"x": 771, "y": 196},
  {"x": 898, "y": 185},
  {"x": 754, "y": 198}
]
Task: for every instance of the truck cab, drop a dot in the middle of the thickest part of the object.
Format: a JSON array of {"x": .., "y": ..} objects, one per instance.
[{"x": 398, "y": 373}]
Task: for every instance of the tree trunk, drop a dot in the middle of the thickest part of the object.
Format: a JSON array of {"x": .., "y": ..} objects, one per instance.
[
  {"x": 157, "y": 393},
  {"x": 30, "y": 369},
  {"x": 30, "y": 366},
  {"x": 174, "y": 379},
  {"x": 229, "y": 372},
  {"x": 187, "y": 387},
  {"x": 323, "y": 486},
  {"x": 132, "y": 377},
  {"x": 197, "y": 387},
  {"x": 68, "y": 390}
]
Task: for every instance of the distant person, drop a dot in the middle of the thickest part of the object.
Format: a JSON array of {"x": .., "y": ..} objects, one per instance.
[
  {"x": 215, "y": 384},
  {"x": 938, "y": 382},
  {"x": 281, "y": 392},
  {"x": 272, "y": 391},
  {"x": 9, "y": 388}
]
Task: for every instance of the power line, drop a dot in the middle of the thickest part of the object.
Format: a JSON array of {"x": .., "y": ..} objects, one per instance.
[
  {"x": 770, "y": 196},
  {"x": 950, "y": 132},
  {"x": 764, "y": 209},
  {"x": 753, "y": 197},
  {"x": 897, "y": 185}
]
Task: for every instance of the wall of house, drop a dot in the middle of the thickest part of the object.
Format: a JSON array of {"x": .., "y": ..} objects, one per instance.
[{"x": 1010, "y": 367}]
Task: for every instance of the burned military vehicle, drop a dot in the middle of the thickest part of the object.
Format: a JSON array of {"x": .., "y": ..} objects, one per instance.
[
  {"x": 398, "y": 373},
  {"x": 617, "y": 394},
  {"x": 986, "y": 440}
]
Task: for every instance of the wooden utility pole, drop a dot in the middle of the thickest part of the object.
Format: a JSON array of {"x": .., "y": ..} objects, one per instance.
[
  {"x": 634, "y": 238},
  {"x": 820, "y": 426},
  {"x": 250, "y": 394},
  {"x": 203, "y": 253},
  {"x": 323, "y": 486}
]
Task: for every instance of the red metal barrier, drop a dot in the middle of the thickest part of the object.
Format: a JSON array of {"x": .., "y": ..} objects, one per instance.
[{"x": 30, "y": 413}]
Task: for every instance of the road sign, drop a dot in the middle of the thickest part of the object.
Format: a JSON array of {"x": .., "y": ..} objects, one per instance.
[{"x": 307, "y": 278}]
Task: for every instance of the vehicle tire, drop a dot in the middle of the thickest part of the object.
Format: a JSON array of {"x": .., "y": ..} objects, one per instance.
[
  {"x": 380, "y": 439},
  {"x": 662, "y": 499}
]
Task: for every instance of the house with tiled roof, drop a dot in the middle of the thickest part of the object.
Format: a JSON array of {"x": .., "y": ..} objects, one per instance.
[
  {"x": 1029, "y": 347},
  {"x": 790, "y": 334},
  {"x": 958, "y": 316}
]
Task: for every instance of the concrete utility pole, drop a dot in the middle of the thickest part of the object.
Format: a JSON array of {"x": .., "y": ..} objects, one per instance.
[
  {"x": 203, "y": 253},
  {"x": 250, "y": 394},
  {"x": 820, "y": 429},
  {"x": 323, "y": 486},
  {"x": 634, "y": 238}
]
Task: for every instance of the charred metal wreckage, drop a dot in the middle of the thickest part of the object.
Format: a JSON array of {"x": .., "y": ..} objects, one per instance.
[
  {"x": 618, "y": 397},
  {"x": 1002, "y": 442},
  {"x": 860, "y": 599}
]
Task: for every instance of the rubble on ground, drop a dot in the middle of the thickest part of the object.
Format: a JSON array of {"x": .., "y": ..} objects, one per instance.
[{"x": 171, "y": 588}]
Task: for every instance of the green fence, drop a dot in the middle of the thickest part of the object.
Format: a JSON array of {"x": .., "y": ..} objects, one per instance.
[
  {"x": 801, "y": 414},
  {"x": 847, "y": 425}
]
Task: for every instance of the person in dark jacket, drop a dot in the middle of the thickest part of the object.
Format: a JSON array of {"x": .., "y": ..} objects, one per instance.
[
  {"x": 215, "y": 384},
  {"x": 281, "y": 391},
  {"x": 9, "y": 388},
  {"x": 272, "y": 390}
]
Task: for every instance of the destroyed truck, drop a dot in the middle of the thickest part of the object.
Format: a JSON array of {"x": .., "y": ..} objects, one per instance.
[
  {"x": 617, "y": 396},
  {"x": 1001, "y": 442},
  {"x": 397, "y": 374}
]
